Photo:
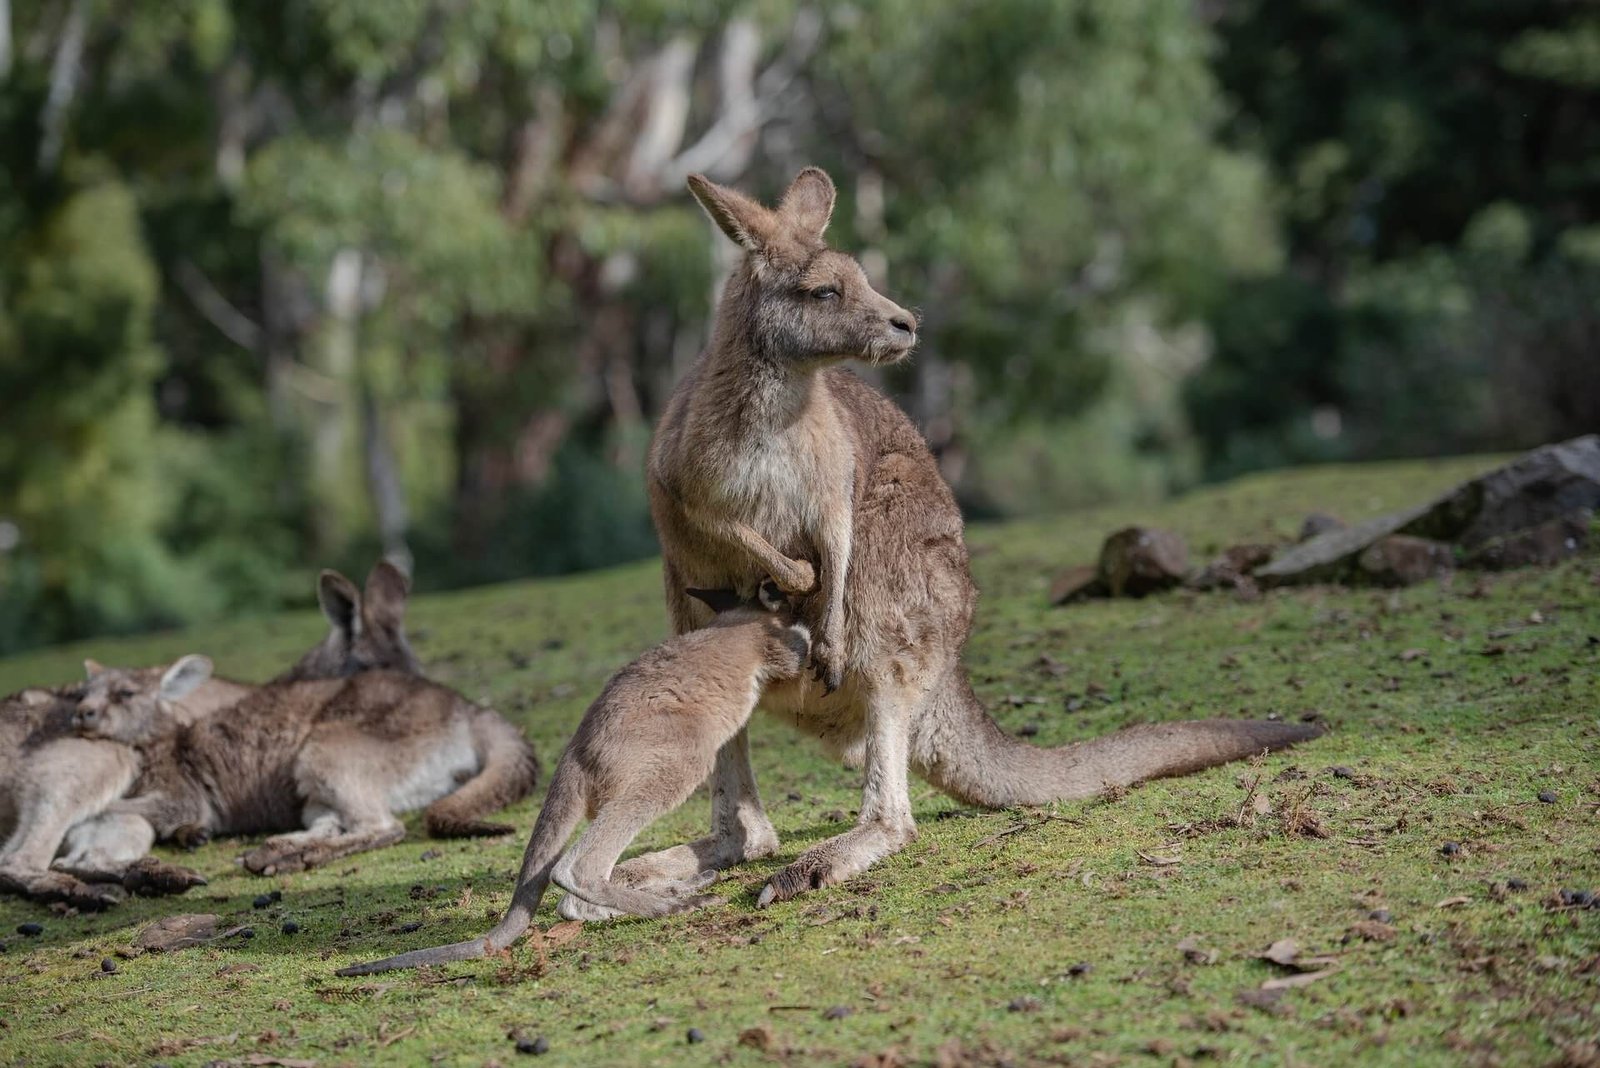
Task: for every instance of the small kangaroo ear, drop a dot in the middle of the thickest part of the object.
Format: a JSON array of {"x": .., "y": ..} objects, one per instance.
[
  {"x": 808, "y": 203},
  {"x": 716, "y": 600},
  {"x": 184, "y": 677},
  {"x": 749, "y": 224},
  {"x": 341, "y": 603},
  {"x": 91, "y": 668},
  {"x": 384, "y": 605}
]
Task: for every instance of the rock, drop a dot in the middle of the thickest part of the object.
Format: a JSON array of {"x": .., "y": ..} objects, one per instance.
[
  {"x": 1232, "y": 567},
  {"x": 1548, "y": 483},
  {"x": 1401, "y": 560},
  {"x": 1330, "y": 557},
  {"x": 1140, "y": 560},
  {"x": 108, "y": 966},
  {"x": 1076, "y": 583},
  {"x": 1320, "y": 523},
  {"x": 1548, "y": 543}
]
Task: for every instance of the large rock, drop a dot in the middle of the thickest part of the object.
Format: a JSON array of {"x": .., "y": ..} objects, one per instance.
[
  {"x": 1076, "y": 583},
  {"x": 1139, "y": 560},
  {"x": 1401, "y": 560},
  {"x": 1540, "y": 546},
  {"x": 1552, "y": 482}
]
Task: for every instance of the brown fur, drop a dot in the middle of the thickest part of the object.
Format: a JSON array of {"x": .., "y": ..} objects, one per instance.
[
  {"x": 767, "y": 451},
  {"x": 338, "y": 757},
  {"x": 648, "y": 740},
  {"x": 55, "y": 786}
]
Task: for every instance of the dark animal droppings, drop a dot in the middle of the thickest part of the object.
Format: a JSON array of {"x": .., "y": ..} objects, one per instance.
[
  {"x": 108, "y": 966},
  {"x": 1516, "y": 884},
  {"x": 276, "y": 895},
  {"x": 696, "y": 1036},
  {"x": 247, "y": 932},
  {"x": 1450, "y": 849},
  {"x": 1547, "y": 796},
  {"x": 1379, "y": 915},
  {"x": 32, "y": 930},
  {"x": 1079, "y": 970},
  {"x": 290, "y": 927},
  {"x": 261, "y": 901}
]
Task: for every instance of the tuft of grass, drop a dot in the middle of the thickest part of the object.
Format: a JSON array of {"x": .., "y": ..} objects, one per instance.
[{"x": 1122, "y": 930}]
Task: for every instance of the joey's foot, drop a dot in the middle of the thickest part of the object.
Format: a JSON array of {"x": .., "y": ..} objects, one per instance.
[
  {"x": 47, "y": 887},
  {"x": 191, "y": 836},
  {"x": 573, "y": 907},
  {"x": 151, "y": 877},
  {"x": 806, "y": 874},
  {"x": 295, "y": 852}
]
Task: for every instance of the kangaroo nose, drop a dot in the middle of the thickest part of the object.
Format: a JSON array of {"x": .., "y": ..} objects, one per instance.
[{"x": 903, "y": 322}]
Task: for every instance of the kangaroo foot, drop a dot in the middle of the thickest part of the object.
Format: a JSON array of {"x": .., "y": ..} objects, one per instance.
[
  {"x": 835, "y": 860},
  {"x": 151, "y": 877},
  {"x": 289, "y": 853},
  {"x": 46, "y": 887}
]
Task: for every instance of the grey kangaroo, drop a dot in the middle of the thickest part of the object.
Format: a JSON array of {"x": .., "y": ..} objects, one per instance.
[
  {"x": 769, "y": 452},
  {"x": 646, "y": 743},
  {"x": 337, "y": 758},
  {"x": 55, "y": 786}
]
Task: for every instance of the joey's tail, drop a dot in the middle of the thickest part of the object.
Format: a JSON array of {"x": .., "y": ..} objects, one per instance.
[
  {"x": 510, "y": 770},
  {"x": 563, "y": 807},
  {"x": 956, "y": 746}
]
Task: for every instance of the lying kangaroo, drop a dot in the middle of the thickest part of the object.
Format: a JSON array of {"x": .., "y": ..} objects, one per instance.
[
  {"x": 337, "y": 757},
  {"x": 768, "y": 451},
  {"x": 54, "y": 786},
  {"x": 646, "y": 743}
]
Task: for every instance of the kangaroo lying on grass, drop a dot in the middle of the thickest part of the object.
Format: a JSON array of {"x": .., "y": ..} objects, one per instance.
[
  {"x": 646, "y": 743},
  {"x": 336, "y": 757},
  {"x": 55, "y": 786},
  {"x": 768, "y": 451}
]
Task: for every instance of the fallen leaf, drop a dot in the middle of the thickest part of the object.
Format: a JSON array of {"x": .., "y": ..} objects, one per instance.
[
  {"x": 1452, "y": 902},
  {"x": 1373, "y": 931},
  {"x": 760, "y": 1037},
  {"x": 1287, "y": 982},
  {"x": 178, "y": 932},
  {"x": 1283, "y": 952},
  {"x": 283, "y": 1062},
  {"x": 1159, "y": 861}
]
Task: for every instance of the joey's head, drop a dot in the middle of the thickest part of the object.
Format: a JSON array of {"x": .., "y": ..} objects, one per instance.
[
  {"x": 786, "y": 642},
  {"x": 135, "y": 706},
  {"x": 794, "y": 301},
  {"x": 366, "y": 628}
]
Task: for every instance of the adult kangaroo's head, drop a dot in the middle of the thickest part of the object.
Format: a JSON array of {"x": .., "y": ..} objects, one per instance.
[{"x": 794, "y": 300}]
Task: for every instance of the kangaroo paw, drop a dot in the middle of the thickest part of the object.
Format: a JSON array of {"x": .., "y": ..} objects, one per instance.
[
  {"x": 150, "y": 877},
  {"x": 46, "y": 887},
  {"x": 806, "y": 874},
  {"x": 573, "y": 907}
]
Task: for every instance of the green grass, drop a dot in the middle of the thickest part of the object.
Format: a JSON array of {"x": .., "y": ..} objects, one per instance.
[{"x": 930, "y": 950}]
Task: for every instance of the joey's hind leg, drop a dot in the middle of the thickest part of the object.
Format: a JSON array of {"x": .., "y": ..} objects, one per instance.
[
  {"x": 885, "y": 825},
  {"x": 740, "y": 832},
  {"x": 114, "y": 847},
  {"x": 584, "y": 871},
  {"x": 347, "y": 815}
]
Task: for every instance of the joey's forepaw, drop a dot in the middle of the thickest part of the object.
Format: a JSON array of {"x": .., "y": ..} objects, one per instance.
[
  {"x": 150, "y": 877},
  {"x": 800, "y": 580},
  {"x": 827, "y": 665},
  {"x": 798, "y": 878}
]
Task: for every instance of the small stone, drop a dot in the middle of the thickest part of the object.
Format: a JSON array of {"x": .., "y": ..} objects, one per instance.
[
  {"x": 1380, "y": 915},
  {"x": 1450, "y": 849},
  {"x": 1547, "y": 796},
  {"x": 695, "y": 1036},
  {"x": 1514, "y": 883},
  {"x": 32, "y": 930},
  {"x": 261, "y": 901},
  {"x": 108, "y": 966},
  {"x": 837, "y": 1012},
  {"x": 290, "y": 927}
]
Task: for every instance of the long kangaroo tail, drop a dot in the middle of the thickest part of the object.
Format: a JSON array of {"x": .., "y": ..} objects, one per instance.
[
  {"x": 957, "y": 747},
  {"x": 509, "y": 772},
  {"x": 563, "y": 807}
]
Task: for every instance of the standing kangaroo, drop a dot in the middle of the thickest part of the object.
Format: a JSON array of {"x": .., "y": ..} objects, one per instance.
[
  {"x": 769, "y": 451},
  {"x": 54, "y": 786},
  {"x": 646, "y": 743},
  {"x": 335, "y": 757}
]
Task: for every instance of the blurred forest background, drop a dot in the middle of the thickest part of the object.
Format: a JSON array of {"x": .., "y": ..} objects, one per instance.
[{"x": 286, "y": 284}]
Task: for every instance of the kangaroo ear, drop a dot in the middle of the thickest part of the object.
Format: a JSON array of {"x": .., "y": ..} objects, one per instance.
[
  {"x": 91, "y": 668},
  {"x": 184, "y": 677},
  {"x": 742, "y": 219},
  {"x": 384, "y": 605},
  {"x": 341, "y": 603},
  {"x": 808, "y": 203},
  {"x": 716, "y": 600}
]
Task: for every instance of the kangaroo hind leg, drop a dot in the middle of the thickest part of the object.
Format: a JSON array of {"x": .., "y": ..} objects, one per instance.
[{"x": 584, "y": 871}]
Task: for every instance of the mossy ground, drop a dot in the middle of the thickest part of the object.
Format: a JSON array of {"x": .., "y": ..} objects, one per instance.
[{"x": 1452, "y": 705}]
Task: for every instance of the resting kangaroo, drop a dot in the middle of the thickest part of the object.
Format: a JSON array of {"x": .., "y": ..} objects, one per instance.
[
  {"x": 54, "y": 786},
  {"x": 768, "y": 450},
  {"x": 648, "y": 740},
  {"x": 336, "y": 757}
]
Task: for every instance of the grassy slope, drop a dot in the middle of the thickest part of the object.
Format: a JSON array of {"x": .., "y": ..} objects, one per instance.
[{"x": 931, "y": 949}]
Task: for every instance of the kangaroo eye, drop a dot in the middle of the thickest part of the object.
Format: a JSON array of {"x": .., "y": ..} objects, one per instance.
[{"x": 825, "y": 292}]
